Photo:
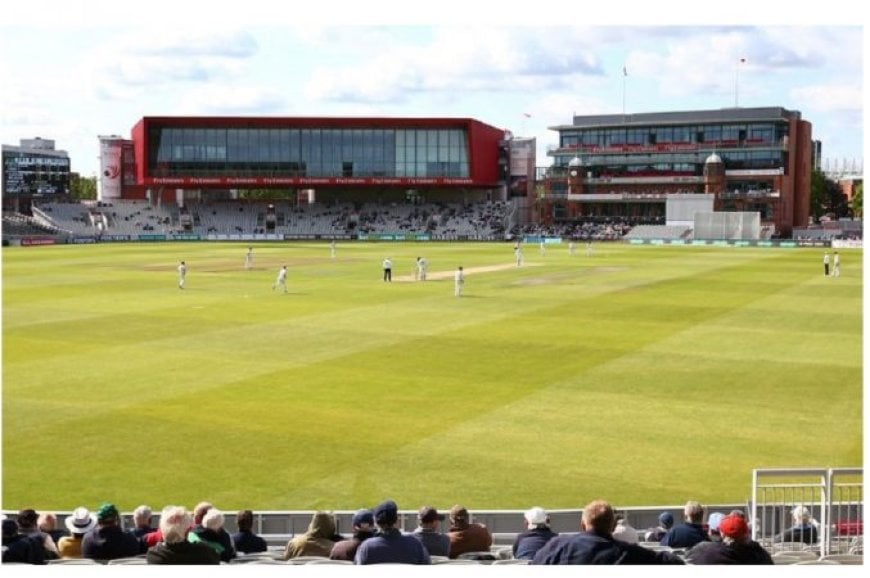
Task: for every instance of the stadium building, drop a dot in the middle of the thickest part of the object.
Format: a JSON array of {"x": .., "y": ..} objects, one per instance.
[
  {"x": 34, "y": 169},
  {"x": 630, "y": 165},
  {"x": 176, "y": 159}
]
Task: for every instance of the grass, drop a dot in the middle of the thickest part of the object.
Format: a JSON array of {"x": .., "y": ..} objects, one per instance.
[{"x": 643, "y": 375}]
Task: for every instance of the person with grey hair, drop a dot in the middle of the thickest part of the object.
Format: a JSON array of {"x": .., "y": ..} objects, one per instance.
[
  {"x": 691, "y": 531},
  {"x": 175, "y": 521},
  {"x": 802, "y": 530},
  {"x": 212, "y": 534},
  {"x": 142, "y": 522}
]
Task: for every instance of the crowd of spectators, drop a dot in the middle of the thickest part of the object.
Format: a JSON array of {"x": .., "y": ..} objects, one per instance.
[{"x": 199, "y": 537}]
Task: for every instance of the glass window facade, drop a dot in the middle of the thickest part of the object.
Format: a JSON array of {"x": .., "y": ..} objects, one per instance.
[{"x": 308, "y": 152}]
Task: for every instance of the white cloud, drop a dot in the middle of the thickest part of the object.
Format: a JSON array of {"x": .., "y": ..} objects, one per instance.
[{"x": 829, "y": 98}]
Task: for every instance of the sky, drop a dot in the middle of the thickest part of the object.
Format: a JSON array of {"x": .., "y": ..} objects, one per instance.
[{"x": 72, "y": 70}]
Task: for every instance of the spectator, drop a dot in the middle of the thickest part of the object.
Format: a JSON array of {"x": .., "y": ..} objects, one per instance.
[
  {"x": 735, "y": 547},
  {"x": 18, "y": 547},
  {"x": 363, "y": 529},
  {"x": 666, "y": 522},
  {"x": 141, "y": 522},
  {"x": 245, "y": 540},
  {"x": 623, "y": 531},
  {"x": 108, "y": 541},
  {"x": 317, "y": 541},
  {"x": 690, "y": 532},
  {"x": 803, "y": 528},
  {"x": 28, "y": 524},
  {"x": 594, "y": 544},
  {"x": 79, "y": 523},
  {"x": 175, "y": 521},
  {"x": 47, "y": 524},
  {"x": 713, "y": 521},
  {"x": 466, "y": 537},
  {"x": 390, "y": 546},
  {"x": 429, "y": 532},
  {"x": 212, "y": 533},
  {"x": 537, "y": 534}
]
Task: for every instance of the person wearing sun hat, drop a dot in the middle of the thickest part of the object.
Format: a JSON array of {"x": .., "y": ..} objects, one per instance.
[
  {"x": 79, "y": 523},
  {"x": 537, "y": 534},
  {"x": 736, "y": 546},
  {"x": 108, "y": 541}
]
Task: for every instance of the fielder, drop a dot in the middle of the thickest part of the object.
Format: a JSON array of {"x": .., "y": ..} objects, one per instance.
[{"x": 281, "y": 281}]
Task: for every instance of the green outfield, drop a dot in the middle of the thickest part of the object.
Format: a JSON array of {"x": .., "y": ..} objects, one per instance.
[{"x": 643, "y": 375}]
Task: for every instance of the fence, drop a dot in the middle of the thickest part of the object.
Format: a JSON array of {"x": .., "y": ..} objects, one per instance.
[{"x": 834, "y": 498}]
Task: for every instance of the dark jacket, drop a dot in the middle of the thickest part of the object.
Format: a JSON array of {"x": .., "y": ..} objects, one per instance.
[
  {"x": 468, "y": 538},
  {"x": 182, "y": 553},
  {"x": 108, "y": 543},
  {"x": 346, "y": 549},
  {"x": 806, "y": 534},
  {"x": 529, "y": 542},
  {"x": 435, "y": 542},
  {"x": 590, "y": 548},
  {"x": 392, "y": 547},
  {"x": 248, "y": 542},
  {"x": 24, "y": 549},
  {"x": 685, "y": 535},
  {"x": 219, "y": 540},
  {"x": 728, "y": 553}
]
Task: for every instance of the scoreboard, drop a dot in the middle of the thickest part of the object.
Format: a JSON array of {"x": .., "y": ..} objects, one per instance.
[{"x": 35, "y": 173}]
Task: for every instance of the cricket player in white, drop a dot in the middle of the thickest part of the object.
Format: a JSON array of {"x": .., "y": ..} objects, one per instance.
[
  {"x": 572, "y": 248},
  {"x": 836, "y": 264},
  {"x": 518, "y": 252},
  {"x": 281, "y": 281},
  {"x": 249, "y": 258},
  {"x": 182, "y": 273},
  {"x": 458, "y": 282},
  {"x": 422, "y": 264},
  {"x": 332, "y": 248}
]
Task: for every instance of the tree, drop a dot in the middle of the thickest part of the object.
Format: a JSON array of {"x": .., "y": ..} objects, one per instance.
[
  {"x": 857, "y": 204},
  {"x": 826, "y": 196},
  {"x": 82, "y": 188}
]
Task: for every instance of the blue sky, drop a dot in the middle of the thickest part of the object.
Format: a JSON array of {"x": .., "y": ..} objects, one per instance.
[{"x": 81, "y": 68}]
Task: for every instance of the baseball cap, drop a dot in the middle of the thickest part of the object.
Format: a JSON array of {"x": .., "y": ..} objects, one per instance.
[
  {"x": 363, "y": 517},
  {"x": 428, "y": 514},
  {"x": 734, "y": 527},
  {"x": 666, "y": 519},
  {"x": 107, "y": 511},
  {"x": 386, "y": 513},
  {"x": 714, "y": 520},
  {"x": 536, "y": 516}
]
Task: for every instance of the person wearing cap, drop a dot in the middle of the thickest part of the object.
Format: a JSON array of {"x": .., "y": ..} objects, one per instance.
[
  {"x": 174, "y": 548},
  {"x": 458, "y": 282},
  {"x": 666, "y": 522},
  {"x": 28, "y": 524},
  {"x": 464, "y": 536},
  {"x": 245, "y": 540},
  {"x": 317, "y": 541},
  {"x": 537, "y": 534},
  {"x": 713, "y": 526},
  {"x": 389, "y": 545},
  {"x": 18, "y": 547},
  {"x": 624, "y": 532},
  {"x": 594, "y": 544},
  {"x": 363, "y": 528},
  {"x": 691, "y": 531},
  {"x": 108, "y": 541},
  {"x": 802, "y": 530},
  {"x": 429, "y": 533},
  {"x": 735, "y": 547},
  {"x": 79, "y": 523}
]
